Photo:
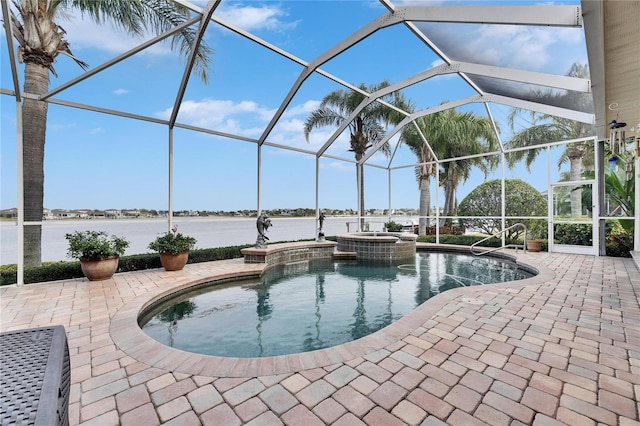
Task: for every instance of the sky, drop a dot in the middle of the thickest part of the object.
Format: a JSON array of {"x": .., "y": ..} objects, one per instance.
[{"x": 101, "y": 161}]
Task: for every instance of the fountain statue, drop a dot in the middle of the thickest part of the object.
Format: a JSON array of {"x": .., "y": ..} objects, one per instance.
[
  {"x": 320, "y": 231},
  {"x": 263, "y": 223}
]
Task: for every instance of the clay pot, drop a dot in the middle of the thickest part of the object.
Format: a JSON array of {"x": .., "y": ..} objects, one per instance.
[
  {"x": 174, "y": 262},
  {"x": 99, "y": 269},
  {"x": 534, "y": 245}
]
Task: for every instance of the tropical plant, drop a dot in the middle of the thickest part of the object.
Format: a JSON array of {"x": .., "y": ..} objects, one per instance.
[
  {"x": 368, "y": 126},
  {"x": 40, "y": 40},
  {"x": 448, "y": 134},
  {"x": 95, "y": 245},
  {"x": 545, "y": 128},
  {"x": 621, "y": 191},
  {"x": 621, "y": 194},
  {"x": 172, "y": 242}
]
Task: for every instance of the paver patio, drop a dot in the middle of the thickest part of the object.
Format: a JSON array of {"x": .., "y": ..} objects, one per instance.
[{"x": 561, "y": 348}]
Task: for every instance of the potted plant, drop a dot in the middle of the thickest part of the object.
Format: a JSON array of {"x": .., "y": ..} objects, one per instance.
[
  {"x": 536, "y": 232},
  {"x": 173, "y": 248},
  {"x": 97, "y": 252}
]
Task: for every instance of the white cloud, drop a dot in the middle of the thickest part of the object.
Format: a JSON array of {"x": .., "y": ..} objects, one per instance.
[
  {"x": 340, "y": 166},
  {"x": 295, "y": 125},
  {"x": 86, "y": 34},
  {"x": 223, "y": 115},
  {"x": 302, "y": 109},
  {"x": 121, "y": 91},
  {"x": 249, "y": 119},
  {"x": 252, "y": 18}
]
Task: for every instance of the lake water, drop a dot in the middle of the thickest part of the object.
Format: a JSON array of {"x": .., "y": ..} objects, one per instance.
[{"x": 209, "y": 231}]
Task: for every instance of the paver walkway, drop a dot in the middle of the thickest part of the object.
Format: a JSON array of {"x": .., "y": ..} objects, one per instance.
[{"x": 560, "y": 349}]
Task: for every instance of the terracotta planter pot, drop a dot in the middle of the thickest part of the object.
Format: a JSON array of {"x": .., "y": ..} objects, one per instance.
[
  {"x": 99, "y": 269},
  {"x": 534, "y": 245},
  {"x": 174, "y": 262}
]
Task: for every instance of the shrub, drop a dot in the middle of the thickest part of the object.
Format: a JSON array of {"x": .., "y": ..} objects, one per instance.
[
  {"x": 466, "y": 240},
  {"x": 521, "y": 199},
  {"x": 95, "y": 245},
  {"x": 579, "y": 234},
  {"x": 49, "y": 271},
  {"x": 619, "y": 242},
  {"x": 172, "y": 242},
  {"x": 392, "y": 226}
]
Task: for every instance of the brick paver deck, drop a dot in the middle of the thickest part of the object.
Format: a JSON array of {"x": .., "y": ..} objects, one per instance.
[{"x": 561, "y": 348}]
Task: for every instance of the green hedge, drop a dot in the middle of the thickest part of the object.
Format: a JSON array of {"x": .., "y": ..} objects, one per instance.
[
  {"x": 55, "y": 271},
  {"x": 465, "y": 240}
]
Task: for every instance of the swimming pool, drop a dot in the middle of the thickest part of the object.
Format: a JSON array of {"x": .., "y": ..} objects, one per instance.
[{"x": 312, "y": 305}]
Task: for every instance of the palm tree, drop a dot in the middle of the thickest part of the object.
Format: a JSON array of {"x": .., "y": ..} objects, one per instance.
[
  {"x": 465, "y": 134},
  {"x": 423, "y": 151},
  {"x": 448, "y": 134},
  {"x": 367, "y": 128},
  {"x": 545, "y": 128},
  {"x": 40, "y": 40}
]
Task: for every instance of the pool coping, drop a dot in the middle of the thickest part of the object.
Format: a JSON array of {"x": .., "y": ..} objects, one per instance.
[{"x": 130, "y": 338}]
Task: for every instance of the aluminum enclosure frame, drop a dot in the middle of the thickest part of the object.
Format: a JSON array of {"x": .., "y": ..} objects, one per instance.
[{"x": 558, "y": 16}]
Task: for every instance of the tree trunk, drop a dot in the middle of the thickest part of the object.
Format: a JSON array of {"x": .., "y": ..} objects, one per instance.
[
  {"x": 425, "y": 202},
  {"x": 34, "y": 116},
  {"x": 449, "y": 202},
  {"x": 575, "y": 159}
]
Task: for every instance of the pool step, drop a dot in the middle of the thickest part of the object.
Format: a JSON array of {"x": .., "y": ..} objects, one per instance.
[{"x": 344, "y": 255}]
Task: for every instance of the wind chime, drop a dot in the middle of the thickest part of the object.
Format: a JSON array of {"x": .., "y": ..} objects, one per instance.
[{"x": 618, "y": 144}]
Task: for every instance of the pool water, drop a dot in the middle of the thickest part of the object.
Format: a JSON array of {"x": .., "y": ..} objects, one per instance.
[{"x": 312, "y": 305}]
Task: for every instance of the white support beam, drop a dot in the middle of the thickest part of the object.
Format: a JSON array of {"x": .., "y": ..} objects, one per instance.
[
  {"x": 583, "y": 117},
  {"x": 504, "y": 100},
  {"x": 170, "y": 182},
  {"x": 8, "y": 31},
  {"x": 21, "y": 224},
  {"x": 119, "y": 58},
  {"x": 195, "y": 46},
  {"x": 381, "y": 22},
  {"x": 494, "y": 125},
  {"x": 259, "y": 180},
  {"x": 522, "y": 76},
  {"x": 553, "y": 16},
  {"x": 593, "y": 15},
  {"x": 317, "y": 222},
  {"x": 462, "y": 68},
  {"x": 439, "y": 70},
  {"x": 428, "y": 111}
]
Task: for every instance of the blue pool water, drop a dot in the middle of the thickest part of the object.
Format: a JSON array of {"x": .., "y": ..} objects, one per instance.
[{"x": 312, "y": 305}]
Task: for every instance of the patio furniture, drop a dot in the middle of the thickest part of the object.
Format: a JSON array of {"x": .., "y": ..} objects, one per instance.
[{"x": 34, "y": 377}]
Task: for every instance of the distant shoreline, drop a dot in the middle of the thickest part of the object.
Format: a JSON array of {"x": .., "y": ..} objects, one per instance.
[{"x": 177, "y": 219}]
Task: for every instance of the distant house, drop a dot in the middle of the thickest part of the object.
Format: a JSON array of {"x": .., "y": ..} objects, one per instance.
[
  {"x": 112, "y": 214},
  {"x": 9, "y": 213},
  {"x": 62, "y": 214}
]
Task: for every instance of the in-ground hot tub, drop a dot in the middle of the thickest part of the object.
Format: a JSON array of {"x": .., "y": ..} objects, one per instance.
[{"x": 387, "y": 246}]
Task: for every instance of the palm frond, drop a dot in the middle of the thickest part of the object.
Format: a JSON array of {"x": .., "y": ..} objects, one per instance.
[
  {"x": 157, "y": 16},
  {"x": 322, "y": 117}
]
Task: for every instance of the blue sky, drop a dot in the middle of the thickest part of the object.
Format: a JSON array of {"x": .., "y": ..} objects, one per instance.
[{"x": 101, "y": 161}]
